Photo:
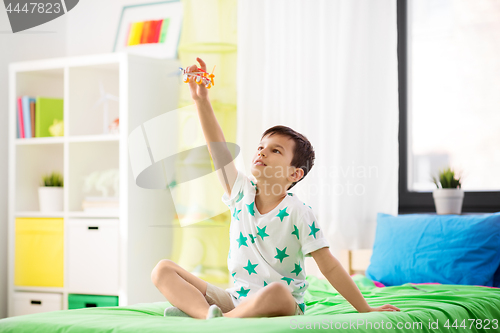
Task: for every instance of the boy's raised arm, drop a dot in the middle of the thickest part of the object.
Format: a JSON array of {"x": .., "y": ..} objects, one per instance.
[{"x": 223, "y": 161}]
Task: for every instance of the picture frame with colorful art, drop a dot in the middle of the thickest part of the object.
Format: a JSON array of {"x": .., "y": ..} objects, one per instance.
[{"x": 150, "y": 29}]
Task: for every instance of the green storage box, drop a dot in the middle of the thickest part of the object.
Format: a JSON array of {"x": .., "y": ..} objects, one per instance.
[{"x": 90, "y": 301}]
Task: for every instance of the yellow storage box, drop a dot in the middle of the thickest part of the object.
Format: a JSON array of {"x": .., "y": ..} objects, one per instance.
[{"x": 39, "y": 252}]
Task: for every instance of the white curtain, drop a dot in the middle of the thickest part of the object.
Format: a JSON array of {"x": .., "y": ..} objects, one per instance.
[{"x": 327, "y": 69}]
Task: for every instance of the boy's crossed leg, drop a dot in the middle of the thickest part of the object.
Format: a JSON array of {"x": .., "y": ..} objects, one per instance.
[
  {"x": 187, "y": 292},
  {"x": 181, "y": 288},
  {"x": 271, "y": 301}
]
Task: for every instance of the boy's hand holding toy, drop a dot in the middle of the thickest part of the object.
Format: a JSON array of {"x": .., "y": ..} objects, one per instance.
[{"x": 199, "y": 80}]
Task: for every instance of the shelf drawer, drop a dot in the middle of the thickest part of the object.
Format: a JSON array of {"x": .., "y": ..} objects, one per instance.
[
  {"x": 93, "y": 256},
  {"x": 39, "y": 252},
  {"x": 29, "y": 303},
  {"x": 90, "y": 301}
]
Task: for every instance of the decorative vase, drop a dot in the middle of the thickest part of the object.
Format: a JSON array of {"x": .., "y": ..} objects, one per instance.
[
  {"x": 50, "y": 198},
  {"x": 448, "y": 200}
]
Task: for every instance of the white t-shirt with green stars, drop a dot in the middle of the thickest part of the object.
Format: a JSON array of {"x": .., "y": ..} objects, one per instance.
[{"x": 270, "y": 247}]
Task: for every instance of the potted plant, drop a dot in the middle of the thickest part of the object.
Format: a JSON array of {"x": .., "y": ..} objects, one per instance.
[
  {"x": 50, "y": 193},
  {"x": 449, "y": 196}
]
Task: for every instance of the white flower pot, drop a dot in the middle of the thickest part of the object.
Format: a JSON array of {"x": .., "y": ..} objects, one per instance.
[
  {"x": 448, "y": 200},
  {"x": 50, "y": 198}
]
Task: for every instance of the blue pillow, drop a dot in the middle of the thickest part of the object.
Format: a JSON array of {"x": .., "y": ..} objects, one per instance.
[
  {"x": 496, "y": 278},
  {"x": 448, "y": 249}
]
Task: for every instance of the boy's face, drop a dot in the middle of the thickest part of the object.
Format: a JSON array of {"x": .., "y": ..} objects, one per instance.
[{"x": 277, "y": 154}]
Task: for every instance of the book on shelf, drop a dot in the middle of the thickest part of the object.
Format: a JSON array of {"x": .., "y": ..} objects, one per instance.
[
  {"x": 26, "y": 100},
  {"x": 36, "y": 115},
  {"x": 32, "y": 113},
  {"x": 20, "y": 117},
  {"x": 46, "y": 111},
  {"x": 18, "y": 135}
]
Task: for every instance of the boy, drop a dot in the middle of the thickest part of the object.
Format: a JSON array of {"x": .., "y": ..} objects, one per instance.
[{"x": 271, "y": 231}]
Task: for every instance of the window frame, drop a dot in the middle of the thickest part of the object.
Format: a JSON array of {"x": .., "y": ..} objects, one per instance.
[{"x": 422, "y": 202}]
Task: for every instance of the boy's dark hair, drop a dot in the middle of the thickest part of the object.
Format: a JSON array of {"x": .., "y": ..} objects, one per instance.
[{"x": 303, "y": 154}]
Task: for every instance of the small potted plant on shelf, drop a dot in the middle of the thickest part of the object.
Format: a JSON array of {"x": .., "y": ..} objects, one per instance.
[
  {"x": 50, "y": 193},
  {"x": 449, "y": 196}
]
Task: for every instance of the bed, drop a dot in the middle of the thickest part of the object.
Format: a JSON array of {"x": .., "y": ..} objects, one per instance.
[
  {"x": 421, "y": 304},
  {"x": 425, "y": 307}
]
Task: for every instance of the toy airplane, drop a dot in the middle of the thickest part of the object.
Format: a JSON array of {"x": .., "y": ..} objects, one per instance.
[{"x": 199, "y": 77}]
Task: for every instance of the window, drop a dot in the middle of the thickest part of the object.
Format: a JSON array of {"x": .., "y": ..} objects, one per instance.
[{"x": 449, "y": 83}]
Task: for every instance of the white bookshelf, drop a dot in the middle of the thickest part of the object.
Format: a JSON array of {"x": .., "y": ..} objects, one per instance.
[{"x": 146, "y": 88}]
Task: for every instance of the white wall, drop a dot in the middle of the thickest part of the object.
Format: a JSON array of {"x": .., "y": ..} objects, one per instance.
[
  {"x": 92, "y": 25},
  {"x": 46, "y": 41}
]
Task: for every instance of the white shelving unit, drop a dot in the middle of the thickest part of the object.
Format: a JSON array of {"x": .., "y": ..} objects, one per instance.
[{"x": 146, "y": 88}]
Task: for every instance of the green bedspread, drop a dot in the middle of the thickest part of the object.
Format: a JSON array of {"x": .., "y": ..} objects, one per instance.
[{"x": 470, "y": 308}]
